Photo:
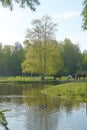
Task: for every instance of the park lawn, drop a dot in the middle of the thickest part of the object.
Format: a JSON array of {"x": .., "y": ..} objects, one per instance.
[
  {"x": 22, "y": 79},
  {"x": 12, "y": 79},
  {"x": 72, "y": 90}
]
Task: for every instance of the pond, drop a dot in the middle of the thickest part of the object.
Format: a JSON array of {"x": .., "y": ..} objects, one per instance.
[{"x": 31, "y": 110}]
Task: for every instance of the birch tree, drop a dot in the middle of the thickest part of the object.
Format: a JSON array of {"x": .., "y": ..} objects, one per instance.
[{"x": 43, "y": 49}]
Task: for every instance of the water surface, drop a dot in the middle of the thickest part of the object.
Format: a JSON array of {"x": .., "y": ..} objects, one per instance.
[{"x": 31, "y": 110}]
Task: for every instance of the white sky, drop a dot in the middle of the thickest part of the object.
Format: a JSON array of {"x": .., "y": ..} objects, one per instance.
[{"x": 67, "y": 13}]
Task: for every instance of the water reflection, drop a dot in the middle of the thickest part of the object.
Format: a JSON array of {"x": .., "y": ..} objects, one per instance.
[{"x": 31, "y": 110}]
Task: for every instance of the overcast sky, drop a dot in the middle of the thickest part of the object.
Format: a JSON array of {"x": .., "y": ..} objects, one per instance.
[{"x": 67, "y": 13}]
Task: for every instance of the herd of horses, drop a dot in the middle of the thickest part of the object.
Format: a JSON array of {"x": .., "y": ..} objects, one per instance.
[{"x": 77, "y": 76}]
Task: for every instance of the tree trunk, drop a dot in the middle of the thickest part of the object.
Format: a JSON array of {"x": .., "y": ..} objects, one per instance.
[{"x": 42, "y": 76}]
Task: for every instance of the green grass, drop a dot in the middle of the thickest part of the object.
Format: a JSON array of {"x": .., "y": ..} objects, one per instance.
[
  {"x": 22, "y": 79},
  {"x": 72, "y": 90},
  {"x": 18, "y": 79},
  {"x": 29, "y": 79}
]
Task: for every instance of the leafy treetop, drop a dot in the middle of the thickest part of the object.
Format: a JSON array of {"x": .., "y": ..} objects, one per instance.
[
  {"x": 22, "y": 3},
  {"x": 84, "y": 14}
]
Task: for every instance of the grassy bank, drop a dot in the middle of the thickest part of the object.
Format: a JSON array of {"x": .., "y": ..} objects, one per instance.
[
  {"x": 20, "y": 79},
  {"x": 72, "y": 90}
]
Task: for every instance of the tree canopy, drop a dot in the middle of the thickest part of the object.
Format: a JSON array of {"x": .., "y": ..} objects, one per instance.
[
  {"x": 61, "y": 58},
  {"x": 22, "y": 3},
  {"x": 70, "y": 55},
  {"x": 43, "y": 55},
  {"x": 84, "y": 14}
]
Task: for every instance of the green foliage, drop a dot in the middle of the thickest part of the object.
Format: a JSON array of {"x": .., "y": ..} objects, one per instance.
[
  {"x": 84, "y": 62},
  {"x": 35, "y": 61},
  {"x": 43, "y": 54},
  {"x": 22, "y": 3},
  {"x": 46, "y": 56},
  {"x": 71, "y": 57},
  {"x": 84, "y": 14},
  {"x": 11, "y": 58},
  {"x": 3, "y": 120}
]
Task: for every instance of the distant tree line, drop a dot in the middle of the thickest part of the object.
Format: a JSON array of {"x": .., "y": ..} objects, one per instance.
[
  {"x": 41, "y": 54},
  {"x": 62, "y": 58},
  {"x": 11, "y": 58}
]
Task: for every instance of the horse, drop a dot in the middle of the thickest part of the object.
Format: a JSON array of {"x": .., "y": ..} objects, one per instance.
[
  {"x": 57, "y": 76},
  {"x": 79, "y": 76},
  {"x": 69, "y": 77},
  {"x": 73, "y": 76}
]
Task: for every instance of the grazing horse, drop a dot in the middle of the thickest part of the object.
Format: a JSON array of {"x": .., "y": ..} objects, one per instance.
[
  {"x": 79, "y": 76},
  {"x": 73, "y": 76},
  {"x": 57, "y": 75},
  {"x": 69, "y": 77}
]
